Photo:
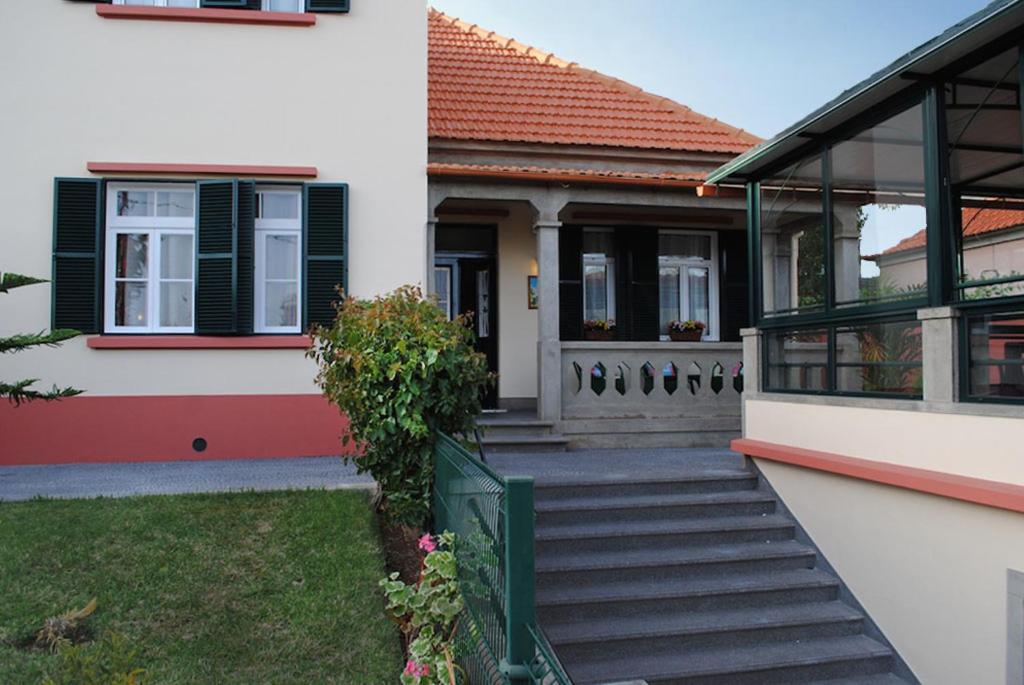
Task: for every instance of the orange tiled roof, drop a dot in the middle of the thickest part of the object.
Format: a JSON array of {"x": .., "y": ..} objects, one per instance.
[
  {"x": 975, "y": 221},
  {"x": 566, "y": 175},
  {"x": 483, "y": 86}
]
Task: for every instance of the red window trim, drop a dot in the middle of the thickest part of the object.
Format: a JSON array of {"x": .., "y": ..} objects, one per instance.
[
  {"x": 975, "y": 490},
  {"x": 210, "y": 15},
  {"x": 197, "y": 342},
  {"x": 210, "y": 169}
]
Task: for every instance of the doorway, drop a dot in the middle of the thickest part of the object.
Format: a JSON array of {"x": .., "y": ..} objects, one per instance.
[{"x": 466, "y": 283}]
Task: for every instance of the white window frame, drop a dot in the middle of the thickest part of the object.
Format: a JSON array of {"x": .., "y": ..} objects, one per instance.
[
  {"x": 447, "y": 269},
  {"x": 156, "y": 3},
  {"x": 153, "y": 227},
  {"x": 267, "y": 228},
  {"x": 265, "y": 6},
  {"x": 711, "y": 333},
  {"x": 608, "y": 262}
]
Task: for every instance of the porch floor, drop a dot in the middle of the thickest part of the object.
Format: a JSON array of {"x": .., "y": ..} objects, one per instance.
[{"x": 616, "y": 465}]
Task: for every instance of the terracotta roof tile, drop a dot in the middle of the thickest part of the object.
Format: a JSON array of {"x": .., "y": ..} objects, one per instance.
[
  {"x": 976, "y": 221},
  {"x": 483, "y": 86}
]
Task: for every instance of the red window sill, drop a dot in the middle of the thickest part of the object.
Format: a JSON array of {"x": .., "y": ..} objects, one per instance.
[
  {"x": 216, "y": 16},
  {"x": 197, "y": 342}
]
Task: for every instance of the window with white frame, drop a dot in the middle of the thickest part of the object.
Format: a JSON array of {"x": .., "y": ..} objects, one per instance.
[
  {"x": 284, "y": 5},
  {"x": 688, "y": 280},
  {"x": 278, "y": 260},
  {"x": 150, "y": 258},
  {"x": 159, "y": 3},
  {"x": 443, "y": 289},
  {"x": 598, "y": 275}
]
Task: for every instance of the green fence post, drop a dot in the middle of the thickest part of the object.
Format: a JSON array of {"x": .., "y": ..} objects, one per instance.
[{"x": 519, "y": 579}]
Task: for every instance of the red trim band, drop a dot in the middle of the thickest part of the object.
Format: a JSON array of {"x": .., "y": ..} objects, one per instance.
[
  {"x": 90, "y": 429},
  {"x": 216, "y": 16},
  {"x": 985, "y": 492},
  {"x": 212, "y": 169},
  {"x": 197, "y": 342}
]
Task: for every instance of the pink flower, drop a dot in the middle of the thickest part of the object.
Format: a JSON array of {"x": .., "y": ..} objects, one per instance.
[
  {"x": 417, "y": 670},
  {"x": 410, "y": 667},
  {"x": 427, "y": 544}
]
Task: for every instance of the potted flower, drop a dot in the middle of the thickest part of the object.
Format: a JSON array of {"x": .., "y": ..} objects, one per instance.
[
  {"x": 690, "y": 330},
  {"x": 599, "y": 329}
]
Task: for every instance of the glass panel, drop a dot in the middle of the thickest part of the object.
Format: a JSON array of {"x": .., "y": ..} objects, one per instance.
[
  {"x": 134, "y": 203},
  {"x": 442, "y": 288},
  {"x": 279, "y": 205},
  {"x": 684, "y": 245},
  {"x": 132, "y": 256},
  {"x": 130, "y": 303},
  {"x": 281, "y": 307},
  {"x": 797, "y": 360},
  {"x": 182, "y": 3},
  {"x": 175, "y": 256},
  {"x": 285, "y": 5},
  {"x": 282, "y": 256},
  {"x": 700, "y": 307},
  {"x": 175, "y": 203},
  {"x": 595, "y": 283},
  {"x": 176, "y": 304},
  {"x": 991, "y": 247},
  {"x": 879, "y": 358},
  {"x": 997, "y": 356},
  {"x": 793, "y": 239},
  {"x": 878, "y": 212},
  {"x": 668, "y": 296}
]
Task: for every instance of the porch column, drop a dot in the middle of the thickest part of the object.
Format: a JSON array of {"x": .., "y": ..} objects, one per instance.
[
  {"x": 940, "y": 360},
  {"x": 430, "y": 286},
  {"x": 549, "y": 348},
  {"x": 751, "y": 370}
]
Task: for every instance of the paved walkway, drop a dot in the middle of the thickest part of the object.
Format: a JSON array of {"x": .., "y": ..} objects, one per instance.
[{"x": 168, "y": 478}]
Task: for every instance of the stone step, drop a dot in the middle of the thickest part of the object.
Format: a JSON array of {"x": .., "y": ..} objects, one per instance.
[
  {"x": 784, "y": 662},
  {"x": 531, "y": 443},
  {"x": 629, "y": 536},
  {"x": 608, "y": 599},
  {"x": 709, "y": 480},
  {"x": 633, "y": 507},
  {"x": 643, "y": 637},
  {"x": 505, "y": 428}
]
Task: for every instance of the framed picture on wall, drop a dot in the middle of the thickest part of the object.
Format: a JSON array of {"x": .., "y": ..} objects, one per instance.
[{"x": 531, "y": 292}]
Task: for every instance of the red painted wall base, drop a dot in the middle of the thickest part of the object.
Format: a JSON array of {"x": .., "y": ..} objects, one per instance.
[{"x": 162, "y": 428}]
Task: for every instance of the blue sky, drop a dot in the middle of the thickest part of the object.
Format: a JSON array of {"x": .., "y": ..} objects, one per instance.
[{"x": 757, "y": 64}]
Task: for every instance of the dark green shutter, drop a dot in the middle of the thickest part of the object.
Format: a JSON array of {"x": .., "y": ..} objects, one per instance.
[
  {"x": 246, "y": 258},
  {"x": 325, "y": 248},
  {"x": 216, "y": 257},
  {"x": 327, "y": 5},
  {"x": 570, "y": 282},
  {"x": 643, "y": 305},
  {"x": 735, "y": 310},
  {"x": 77, "y": 254}
]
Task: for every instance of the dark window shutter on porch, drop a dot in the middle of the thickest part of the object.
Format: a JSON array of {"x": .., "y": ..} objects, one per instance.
[
  {"x": 77, "y": 254},
  {"x": 325, "y": 246},
  {"x": 735, "y": 310},
  {"x": 570, "y": 283},
  {"x": 642, "y": 302},
  {"x": 327, "y": 5},
  {"x": 224, "y": 238}
]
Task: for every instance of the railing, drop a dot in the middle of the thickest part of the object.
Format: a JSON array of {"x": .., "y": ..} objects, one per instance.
[
  {"x": 651, "y": 379},
  {"x": 498, "y": 641}
]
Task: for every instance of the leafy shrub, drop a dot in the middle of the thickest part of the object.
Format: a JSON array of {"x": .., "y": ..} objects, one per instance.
[
  {"x": 427, "y": 613},
  {"x": 111, "y": 661},
  {"x": 399, "y": 370}
]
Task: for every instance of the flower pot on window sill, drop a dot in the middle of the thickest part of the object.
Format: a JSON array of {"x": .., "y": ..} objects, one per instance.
[
  {"x": 686, "y": 336},
  {"x": 603, "y": 336}
]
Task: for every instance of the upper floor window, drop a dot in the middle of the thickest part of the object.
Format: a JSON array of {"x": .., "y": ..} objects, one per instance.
[
  {"x": 265, "y": 5},
  {"x": 688, "y": 280},
  {"x": 159, "y": 3},
  {"x": 278, "y": 260},
  {"x": 150, "y": 259}
]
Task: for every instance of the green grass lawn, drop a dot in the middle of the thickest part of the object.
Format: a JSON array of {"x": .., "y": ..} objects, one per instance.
[{"x": 240, "y": 588}]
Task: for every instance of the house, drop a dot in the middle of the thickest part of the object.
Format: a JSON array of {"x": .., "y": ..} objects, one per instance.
[
  {"x": 196, "y": 176},
  {"x": 196, "y": 238},
  {"x": 884, "y": 378}
]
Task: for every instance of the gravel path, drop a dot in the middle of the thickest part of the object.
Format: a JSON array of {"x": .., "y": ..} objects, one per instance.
[{"x": 167, "y": 478}]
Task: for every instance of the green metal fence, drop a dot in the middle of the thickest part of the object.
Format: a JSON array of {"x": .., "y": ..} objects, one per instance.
[{"x": 498, "y": 640}]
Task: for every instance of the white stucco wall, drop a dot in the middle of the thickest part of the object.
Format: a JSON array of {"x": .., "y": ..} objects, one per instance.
[{"x": 347, "y": 96}]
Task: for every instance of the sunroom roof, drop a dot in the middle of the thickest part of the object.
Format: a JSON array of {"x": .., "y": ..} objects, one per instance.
[{"x": 991, "y": 23}]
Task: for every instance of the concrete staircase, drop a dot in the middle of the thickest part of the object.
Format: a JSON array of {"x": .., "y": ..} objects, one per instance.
[
  {"x": 518, "y": 431},
  {"x": 700, "y": 577}
]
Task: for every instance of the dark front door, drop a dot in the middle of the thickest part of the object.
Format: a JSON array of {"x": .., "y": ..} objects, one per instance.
[{"x": 466, "y": 282}]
